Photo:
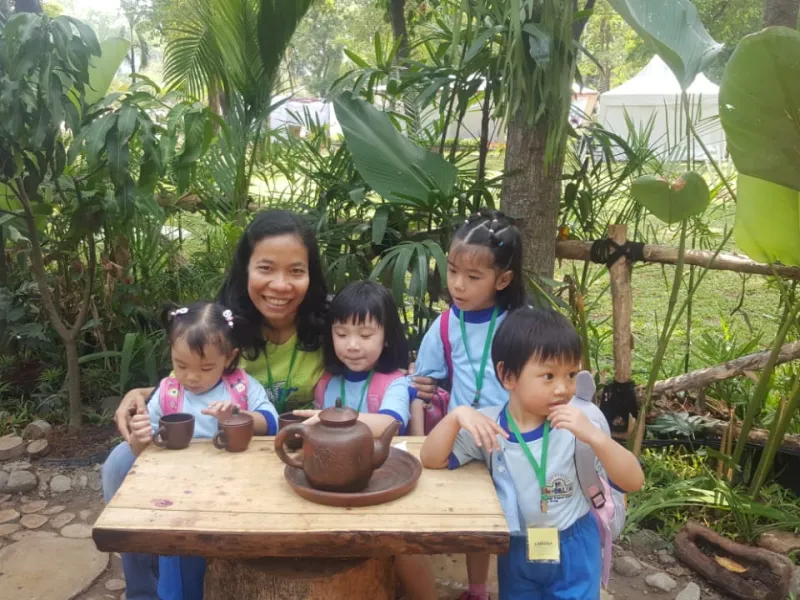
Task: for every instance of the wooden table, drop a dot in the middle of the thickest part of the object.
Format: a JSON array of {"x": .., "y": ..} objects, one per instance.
[{"x": 237, "y": 508}]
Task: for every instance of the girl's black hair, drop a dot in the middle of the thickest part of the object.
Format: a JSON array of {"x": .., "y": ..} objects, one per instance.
[
  {"x": 491, "y": 229},
  {"x": 205, "y": 323},
  {"x": 358, "y": 302},
  {"x": 310, "y": 319},
  {"x": 540, "y": 333}
]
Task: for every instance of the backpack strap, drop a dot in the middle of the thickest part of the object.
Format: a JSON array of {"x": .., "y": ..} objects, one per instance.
[
  {"x": 170, "y": 395},
  {"x": 319, "y": 390},
  {"x": 377, "y": 388},
  {"x": 236, "y": 384},
  {"x": 444, "y": 333}
]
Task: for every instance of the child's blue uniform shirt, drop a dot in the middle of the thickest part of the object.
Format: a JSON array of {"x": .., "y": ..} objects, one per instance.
[
  {"x": 431, "y": 360},
  {"x": 206, "y": 426},
  {"x": 394, "y": 403}
]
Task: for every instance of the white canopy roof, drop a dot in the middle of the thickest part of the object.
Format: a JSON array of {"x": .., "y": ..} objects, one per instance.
[{"x": 656, "y": 84}]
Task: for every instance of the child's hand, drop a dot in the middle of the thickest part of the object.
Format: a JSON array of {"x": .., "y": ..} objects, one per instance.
[
  {"x": 141, "y": 430},
  {"x": 425, "y": 386},
  {"x": 482, "y": 429},
  {"x": 311, "y": 416},
  {"x": 575, "y": 421},
  {"x": 221, "y": 411}
]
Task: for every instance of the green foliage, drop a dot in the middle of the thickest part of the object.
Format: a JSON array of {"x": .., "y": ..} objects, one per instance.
[{"x": 672, "y": 202}]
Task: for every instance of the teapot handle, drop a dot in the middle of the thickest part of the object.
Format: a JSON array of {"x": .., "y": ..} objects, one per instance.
[{"x": 285, "y": 434}]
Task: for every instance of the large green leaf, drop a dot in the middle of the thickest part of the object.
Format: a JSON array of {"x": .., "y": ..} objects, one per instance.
[
  {"x": 759, "y": 106},
  {"x": 767, "y": 225},
  {"x": 103, "y": 68},
  {"x": 277, "y": 22},
  {"x": 391, "y": 164},
  {"x": 672, "y": 201},
  {"x": 675, "y": 32}
]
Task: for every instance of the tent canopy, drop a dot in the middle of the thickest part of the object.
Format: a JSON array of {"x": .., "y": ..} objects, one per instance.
[{"x": 656, "y": 84}]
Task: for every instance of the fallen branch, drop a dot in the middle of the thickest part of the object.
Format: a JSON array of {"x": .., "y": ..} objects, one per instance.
[
  {"x": 759, "y": 437},
  {"x": 580, "y": 250}
]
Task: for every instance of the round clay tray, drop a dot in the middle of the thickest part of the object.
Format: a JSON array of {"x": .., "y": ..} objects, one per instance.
[{"x": 396, "y": 478}]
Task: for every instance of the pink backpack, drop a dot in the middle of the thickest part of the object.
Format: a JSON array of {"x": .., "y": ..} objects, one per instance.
[
  {"x": 377, "y": 389},
  {"x": 436, "y": 409},
  {"x": 170, "y": 392}
]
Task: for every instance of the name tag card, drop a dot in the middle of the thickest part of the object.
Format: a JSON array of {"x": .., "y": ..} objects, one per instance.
[{"x": 543, "y": 545}]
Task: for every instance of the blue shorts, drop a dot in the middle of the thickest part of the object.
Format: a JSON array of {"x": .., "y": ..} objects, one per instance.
[
  {"x": 576, "y": 577},
  {"x": 181, "y": 577}
]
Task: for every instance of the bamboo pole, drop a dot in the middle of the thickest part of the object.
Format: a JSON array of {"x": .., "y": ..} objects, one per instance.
[{"x": 579, "y": 250}]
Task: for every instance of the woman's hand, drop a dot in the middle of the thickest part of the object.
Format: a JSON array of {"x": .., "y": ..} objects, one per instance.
[
  {"x": 482, "y": 429},
  {"x": 141, "y": 433},
  {"x": 134, "y": 403},
  {"x": 311, "y": 416},
  {"x": 425, "y": 386},
  {"x": 221, "y": 411}
]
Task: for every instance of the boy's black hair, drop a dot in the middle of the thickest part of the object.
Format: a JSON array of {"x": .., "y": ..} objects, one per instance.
[
  {"x": 358, "y": 302},
  {"x": 311, "y": 312},
  {"x": 205, "y": 323},
  {"x": 540, "y": 333},
  {"x": 494, "y": 231}
]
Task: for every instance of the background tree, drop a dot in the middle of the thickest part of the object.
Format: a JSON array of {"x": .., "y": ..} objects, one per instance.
[
  {"x": 138, "y": 16},
  {"x": 781, "y": 12}
]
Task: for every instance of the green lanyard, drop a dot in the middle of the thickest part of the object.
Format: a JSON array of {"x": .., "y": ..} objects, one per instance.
[
  {"x": 280, "y": 403},
  {"x": 541, "y": 472},
  {"x": 363, "y": 391},
  {"x": 484, "y": 359}
]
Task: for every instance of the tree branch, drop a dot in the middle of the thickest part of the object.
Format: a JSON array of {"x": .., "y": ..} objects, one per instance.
[
  {"x": 37, "y": 260},
  {"x": 580, "y": 25},
  {"x": 89, "y": 283}
]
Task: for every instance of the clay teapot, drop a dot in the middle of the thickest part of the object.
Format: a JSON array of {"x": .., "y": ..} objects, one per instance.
[{"x": 339, "y": 453}]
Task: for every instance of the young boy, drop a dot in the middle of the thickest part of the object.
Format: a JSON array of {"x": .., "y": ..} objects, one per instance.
[{"x": 529, "y": 447}]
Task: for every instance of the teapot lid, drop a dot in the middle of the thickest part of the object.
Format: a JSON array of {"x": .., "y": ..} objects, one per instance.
[{"x": 338, "y": 416}]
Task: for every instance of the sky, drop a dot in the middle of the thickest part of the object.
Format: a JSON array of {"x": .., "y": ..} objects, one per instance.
[{"x": 80, "y": 8}]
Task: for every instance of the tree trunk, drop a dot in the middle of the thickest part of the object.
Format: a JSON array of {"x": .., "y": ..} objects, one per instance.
[
  {"x": 397, "y": 16},
  {"x": 3, "y": 263},
  {"x": 781, "y": 12},
  {"x": 532, "y": 192},
  {"x": 73, "y": 385}
]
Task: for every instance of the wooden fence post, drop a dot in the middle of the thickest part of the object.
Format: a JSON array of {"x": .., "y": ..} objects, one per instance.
[{"x": 622, "y": 309}]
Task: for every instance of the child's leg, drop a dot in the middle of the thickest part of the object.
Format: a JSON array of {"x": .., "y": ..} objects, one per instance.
[
  {"x": 478, "y": 576},
  {"x": 181, "y": 577},
  {"x": 417, "y": 423},
  {"x": 581, "y": 565},
  {"x": 516, "y": 577},
  {"x": 416, "y": 575}
]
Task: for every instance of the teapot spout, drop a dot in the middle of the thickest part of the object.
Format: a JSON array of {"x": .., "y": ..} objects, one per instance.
[{"x": 383, "y": 444}]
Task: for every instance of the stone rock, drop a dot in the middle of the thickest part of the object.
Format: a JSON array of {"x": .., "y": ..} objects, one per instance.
[
  {"x": 3, "y": 481},
  {"x": 8, "y": 515},
  {"x": 62, "y": 520},
  {"x": 29, "y": 533},
  {"x": 38, "y": 449},
  {"x": 11, "y": 446},
  {"x": 71, "y": 567},
  {"x": 37, "y": 430},
  {"x": 110, "y": 403},
  {"x": 690, "y": 592},
  {"x": 54, "y": 510},
  {"x": 794, "y": 586},
  {"x": 33, "y": 521},
  {"x": 17, "y": 465},
  {"x": 661, "y": 581},
  {"x": 9, "y": 528},
  {"x": 604, "y": 595},
  {"x": 645, "y": 541},
  {"x": 33, "y": 507},
  {"x": 60, "y": 484},
  {"x": 79, "y": 482},
  {"x": 665, "y": 558},
  {"x": 115, "y": 585},
  {"x": 95, "y": 483},
  {"x": 780, "y": 542},
  {"x": 77, "y": 530},
  {"x": 85, "y": 515},
  {"x": 627, "y": 566},
  {"x": 677, "y": 571},
  {"x": 4, "y": 497},
  {"x": 20, "y": 481}
]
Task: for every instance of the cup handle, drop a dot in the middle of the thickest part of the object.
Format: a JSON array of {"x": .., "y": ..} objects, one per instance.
[
  {"x": 220, "y": 440},
  {"x": 285, "y": 434},
  {"x": 158, "y": 437}
]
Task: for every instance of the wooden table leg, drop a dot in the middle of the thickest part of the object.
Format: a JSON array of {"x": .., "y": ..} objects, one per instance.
[{"x": 300, "y": 579}]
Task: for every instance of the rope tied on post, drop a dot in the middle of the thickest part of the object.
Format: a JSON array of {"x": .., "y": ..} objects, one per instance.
[{"x": 607, "y": 252}]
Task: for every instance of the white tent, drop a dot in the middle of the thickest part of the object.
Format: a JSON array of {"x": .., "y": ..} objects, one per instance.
[{"x": 654, "y": 93}]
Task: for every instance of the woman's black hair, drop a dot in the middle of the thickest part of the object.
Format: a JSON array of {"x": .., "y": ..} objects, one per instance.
[
  {"x": 310, "y": 319},
  {"x": 491, "y": 229},
  {"x": 205, "y": 323},
  {"x": 358, "y": 302},
  {"x": 540, "y": 333}
]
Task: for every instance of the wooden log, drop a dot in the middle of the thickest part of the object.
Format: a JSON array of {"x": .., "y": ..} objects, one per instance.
[
  {"x": 579, "y": 250},
  {"x": 759, "y": 436},
  {"x": 622, "y": 307},
  {"x": 702, "y": 378},
  {"x": 300, "y": 579}
]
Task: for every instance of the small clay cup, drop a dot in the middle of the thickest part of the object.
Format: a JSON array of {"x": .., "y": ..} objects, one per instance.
[
  {"x": 174, "y": 431},
  {"x": 286, "y": 419},
  {"x": 234, "y": 435}
]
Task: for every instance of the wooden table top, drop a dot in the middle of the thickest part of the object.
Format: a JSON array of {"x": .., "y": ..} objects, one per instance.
[{"x": 206, "y": 502}]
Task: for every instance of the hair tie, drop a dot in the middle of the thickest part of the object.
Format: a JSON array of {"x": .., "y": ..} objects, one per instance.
[
  {"x": 178, "y": 311},
  {"x": 228, "y": 316}
]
